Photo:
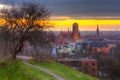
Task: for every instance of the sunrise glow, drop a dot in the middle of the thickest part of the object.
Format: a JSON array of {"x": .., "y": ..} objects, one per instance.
[{"x": 86, "y": 24}]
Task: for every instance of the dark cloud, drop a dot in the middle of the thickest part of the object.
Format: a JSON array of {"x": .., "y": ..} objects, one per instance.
[{"x": 78, "y": 8}]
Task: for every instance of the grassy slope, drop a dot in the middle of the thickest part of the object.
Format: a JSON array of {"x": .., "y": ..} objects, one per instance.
[
  {"x": 20, "y": 71},
  {"x": 65, "y": 71}
]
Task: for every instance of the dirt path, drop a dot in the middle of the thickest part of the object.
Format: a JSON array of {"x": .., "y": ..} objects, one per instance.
[{"x": 25, "y": 58}]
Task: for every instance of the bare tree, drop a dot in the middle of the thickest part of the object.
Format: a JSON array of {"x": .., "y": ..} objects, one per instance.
[
  {"x": 26, "y": 22},
  {"x": 109, "y": 67}
]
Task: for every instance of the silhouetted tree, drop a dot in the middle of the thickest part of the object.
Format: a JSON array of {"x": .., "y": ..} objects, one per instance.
[{"x": 24, "y": 22}]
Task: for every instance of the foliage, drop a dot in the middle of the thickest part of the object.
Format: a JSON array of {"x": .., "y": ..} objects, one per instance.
[
  {"x": 26, "y": 22},
  {"x": 42, "y": 57},
  {"x": 110, "y": 65}
]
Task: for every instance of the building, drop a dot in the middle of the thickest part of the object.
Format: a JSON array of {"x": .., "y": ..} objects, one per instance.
[
  {"x": 95, "y": 47},
  {"x": 65, "y": 36},
  {"x": 75, "y": 32},
  {"x": 85, "y": 65},
  {"x": 89, "y": 66},
  {"x": 71, "y": 48}
]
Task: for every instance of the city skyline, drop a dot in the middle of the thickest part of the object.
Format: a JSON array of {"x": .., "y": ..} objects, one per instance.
[{"x": 87, "y": 13}]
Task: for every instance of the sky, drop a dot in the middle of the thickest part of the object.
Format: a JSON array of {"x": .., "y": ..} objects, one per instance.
[{"x": 87, "y": 13}]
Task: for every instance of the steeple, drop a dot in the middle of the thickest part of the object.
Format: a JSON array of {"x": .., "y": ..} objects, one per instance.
[
  {"x": 97, "y": 31},
  {"x": 68, "y": 29}
]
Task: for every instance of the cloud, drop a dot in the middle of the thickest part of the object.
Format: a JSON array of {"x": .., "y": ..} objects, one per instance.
[{"x": 78, "y": 8}]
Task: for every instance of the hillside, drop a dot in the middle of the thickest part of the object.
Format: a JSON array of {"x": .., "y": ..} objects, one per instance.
[
  {"x": 19, "y": 71},
  {"x": 64, "y": 71}
]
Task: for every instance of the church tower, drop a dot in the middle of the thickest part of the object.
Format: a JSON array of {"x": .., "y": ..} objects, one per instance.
[
  {"x": 68, "y": 30},
  {"x": 97, "y": 31},
  {"x": 75, "y": 32}
]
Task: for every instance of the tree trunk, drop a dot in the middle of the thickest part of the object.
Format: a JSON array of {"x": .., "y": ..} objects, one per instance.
[
  {"x": 17, "y": 50},
  {"x": 14, "y": 56}
]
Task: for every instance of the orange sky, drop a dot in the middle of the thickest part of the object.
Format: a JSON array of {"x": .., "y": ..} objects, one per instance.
[
  {"x": 104, "y": 13},
  {"x": 84, "y": 24},
  {"x": 62, "y": 23}
]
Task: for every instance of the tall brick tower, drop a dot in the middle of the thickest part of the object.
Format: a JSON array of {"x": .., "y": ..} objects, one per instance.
[{"x": 75, "y": 32}]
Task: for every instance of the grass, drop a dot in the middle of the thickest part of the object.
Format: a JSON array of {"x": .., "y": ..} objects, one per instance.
[
  {"x": 64, "y": 71},
  {"x": 18, "y": 71}
]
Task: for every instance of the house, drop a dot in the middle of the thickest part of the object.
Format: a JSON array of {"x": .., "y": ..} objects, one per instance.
[
  {"x": 85, "y": 65},
  {"x": 95, "y": 47},
  {"x": 89, "y": 66}
]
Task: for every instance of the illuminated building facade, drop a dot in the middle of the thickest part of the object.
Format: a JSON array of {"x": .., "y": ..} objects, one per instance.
[{"x": 75, "y": 32}]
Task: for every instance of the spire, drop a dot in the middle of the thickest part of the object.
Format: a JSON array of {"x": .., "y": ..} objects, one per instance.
[
  {"x": 97, "y": 30},
  {"x": 68, "y": 29}
]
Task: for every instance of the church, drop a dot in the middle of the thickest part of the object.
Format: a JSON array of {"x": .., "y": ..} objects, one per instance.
[{"x": 73, "y": 35}]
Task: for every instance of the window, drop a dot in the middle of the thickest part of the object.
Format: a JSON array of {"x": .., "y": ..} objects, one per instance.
[{"x": 93, "y": 64}]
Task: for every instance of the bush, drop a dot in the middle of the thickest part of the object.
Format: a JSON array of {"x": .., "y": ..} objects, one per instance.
[
  {"x": 4, "y": 61},
  {"x": 42, "y": 57}
]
